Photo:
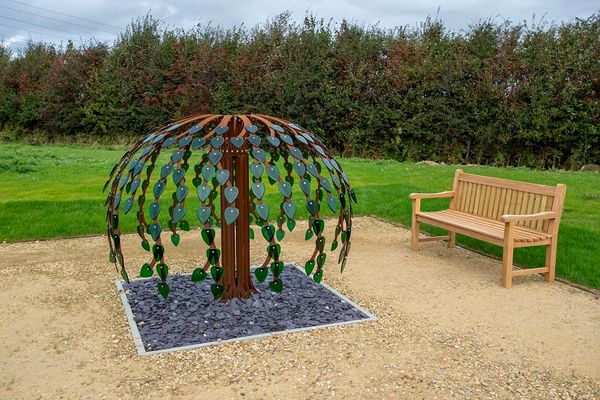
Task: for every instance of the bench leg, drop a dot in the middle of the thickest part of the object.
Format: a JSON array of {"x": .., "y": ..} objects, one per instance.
[
  {"x": 550, "y": 262},
  {"x": 414, "y": 243},
  {"x": 507, "y": 266},
  {"x": 451, "y": 239}
]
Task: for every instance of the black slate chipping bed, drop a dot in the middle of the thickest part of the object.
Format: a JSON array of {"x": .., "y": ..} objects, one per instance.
[{"x": 190, "y": 316}]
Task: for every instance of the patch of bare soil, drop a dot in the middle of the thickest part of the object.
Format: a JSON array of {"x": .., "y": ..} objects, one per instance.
[{"x": 446, "y": 329}]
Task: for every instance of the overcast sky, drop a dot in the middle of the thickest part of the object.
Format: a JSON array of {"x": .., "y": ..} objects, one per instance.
[{"x": 102, "y": 19}]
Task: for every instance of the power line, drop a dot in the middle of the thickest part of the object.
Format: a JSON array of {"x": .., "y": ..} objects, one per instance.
[
  {"x": 33, "y": 23},
  {"x": 55, "y": 19},
  {"x": 65, "y": 15},
  {"x": 31, "y": 31}
]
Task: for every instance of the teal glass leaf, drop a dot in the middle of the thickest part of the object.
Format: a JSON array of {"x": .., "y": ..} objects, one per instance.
[
  {"x": 290, "y": 209},
  {"x": 256, "y": 170},
  {"x": 183, "y": 142},
  {"x": 273, "y": 173},
  {"x": 254, "y": 140},
  {"x": 217, "y": 142},
  {"x": 332, "y": 204},
  {"x": 195, "y": 129},
  {"x": 177, "y": 156},
  {"x": 128, "y": 205},
  {"x": 138, "y": 168},
  {"x": 169, "y": 142},
  {"x": 312, "y": 170},
  {"x": 117, "y": 200},
  {"x": 259, "y": 154},
  {"x": 154, "y": 210},
  {"x": 178, "y": 213},
  {"x": 312, "y": 207},
  {"x": 296, "y": 153},
  {"x": 287, "y": 139},
  {"x": 222, "y": 176},
  {"x": 197, "y": 143},
  {"x": 154, "y": 231},
  {"x": 181, "y": 193},
  {"x": 258, "y": 189},
  {"x": 178, "y": 175},
  {"x": 165, "y": 171},
  {"x": 251, "y": 128},
  {"x": 285, "y": 189},
  {"x": 273, "y": 141},
  {"x": 203, "y": 214},
  {"x": 219, "y": 130},
  {"x": 231, "y": 215},
  {"x": 305, "y": 186},
  {"x": 159, "y": 188},
  {"x": 230, "y": 193},
  {"x": 237, "y": 142},
  {"x": 325, "y": 184},
  {"x": 300, "y": 169},
  {"x": 203, "y": 192},
  {"x": 262, "y": 210},
  {"x": 214, "y": 157},
  {"x": 277, "y": 128},
  {"x": 135, "y": 184},
  {"x": 208, "y": 171}
]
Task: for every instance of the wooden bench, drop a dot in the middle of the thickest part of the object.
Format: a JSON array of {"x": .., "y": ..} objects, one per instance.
[{"x": 500, "y": 211}]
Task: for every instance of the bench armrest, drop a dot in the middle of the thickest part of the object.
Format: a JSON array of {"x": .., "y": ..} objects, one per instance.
[
  {"x": 529, "y": 217},
  {"x": 414, "y": 196}
]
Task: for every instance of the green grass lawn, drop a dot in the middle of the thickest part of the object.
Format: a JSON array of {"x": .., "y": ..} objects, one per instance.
[{"x": 50, "y": 191}]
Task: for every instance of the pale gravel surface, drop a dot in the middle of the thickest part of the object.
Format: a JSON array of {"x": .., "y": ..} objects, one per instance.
[{"x": 446, "y": 329}]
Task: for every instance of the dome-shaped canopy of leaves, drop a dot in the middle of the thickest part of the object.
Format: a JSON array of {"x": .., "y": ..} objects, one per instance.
[{"x": 198, "y": 150}]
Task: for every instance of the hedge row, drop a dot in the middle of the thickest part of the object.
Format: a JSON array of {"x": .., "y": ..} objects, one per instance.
[{"x": 496, "y": 93}]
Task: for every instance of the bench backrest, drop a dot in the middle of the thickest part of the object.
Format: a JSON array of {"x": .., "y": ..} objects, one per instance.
[{"x": 492, "y": 198}]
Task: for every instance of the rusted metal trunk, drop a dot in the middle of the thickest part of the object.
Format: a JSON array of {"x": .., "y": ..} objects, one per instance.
[{"x": 235, "y": 237}]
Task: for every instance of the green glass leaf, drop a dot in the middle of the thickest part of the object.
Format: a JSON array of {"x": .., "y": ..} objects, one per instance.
[
  {"x": 231, "y": 215},
  {"x": 178, "y": 213},
  {"x": 308, "y": 234},
  {"x": 318, "y": 226},
  {"x": 259, "y": 190},
  {"x": 262, "y": 210},
  {"x": 318, "y": 276},
  {"x": 222, "y": 176},
  {"x": 217, "y": 290},
  {"x": 274, "y": 251},
  {"x": 140, "y": 230},
  {"x": 162, "y": 270},
  {"x": 203, "y": 214},
  {"x": 321, "y": 258},
  {"x": 197, "y": 182},
  {"x": 334, "y": 245},
  {"x": 276, "y": 286},
  {"x": 343, "y": 265},
  {"x": 146, "y": 271},
  {"x": 145, "y": 245},
  {"x": 251, "y": 233},
  {"x": 320, "y": 244},
  {"x": 158, "y": 251},
  {"x": 280, "y": 234},
  {"x": 353, "y": 195},
  {"x": 230, "y": 193},
  {"x": 175, "y": 238},
  {"x": 199, "y": 275},
  {"x": 268, "y": 231},
  {"x": 184, "y": 225},
  {"x": 261, "y": 273},
  {"x": 163, "y": 289},
  {"x": 208, "y": 235},
  {"x": 213, "y": 255},
  {"x": 309, "y": 267},
  {"x": 312, "y": 207},
  {"x": 285, "y": 189},
  {"x": 154, "y": 231},
  {"x": 342, "y": 200},
  {"x": 277, "y": 267},
  {"x": 216, "y": 273},
  {"x": 291, "y": 224},
  {"x": 111, "y": 257}
]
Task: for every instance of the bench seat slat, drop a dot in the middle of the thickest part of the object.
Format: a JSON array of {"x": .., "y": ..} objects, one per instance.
[{"x": 484, "y": 226}]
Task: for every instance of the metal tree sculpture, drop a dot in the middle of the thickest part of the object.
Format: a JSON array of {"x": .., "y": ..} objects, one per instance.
[{"x": 232, "y": 146}]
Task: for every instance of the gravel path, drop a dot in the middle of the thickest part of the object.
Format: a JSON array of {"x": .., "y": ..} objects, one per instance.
[{"x": 445, "y": 329}]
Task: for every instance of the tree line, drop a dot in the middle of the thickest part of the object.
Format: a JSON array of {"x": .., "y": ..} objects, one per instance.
[{"x": 497, "y": 93}]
